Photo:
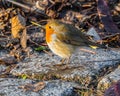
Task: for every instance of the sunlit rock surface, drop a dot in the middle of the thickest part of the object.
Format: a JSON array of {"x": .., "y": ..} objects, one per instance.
[
  {"x": 85, "y": 68},
  {"x": 11, "y": 87}
]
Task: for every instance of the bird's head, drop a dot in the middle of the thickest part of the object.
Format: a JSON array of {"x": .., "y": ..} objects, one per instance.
[{"x": 53, "y": 27}]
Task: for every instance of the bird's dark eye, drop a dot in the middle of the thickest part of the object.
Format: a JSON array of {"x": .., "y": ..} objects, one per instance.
[{"x": 50, "y": 27}]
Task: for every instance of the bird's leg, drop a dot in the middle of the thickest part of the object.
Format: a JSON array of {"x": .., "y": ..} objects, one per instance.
[
  {"x": 64, "y": 64},
  {"x": 63, "y": 60},
  {"x": 68, "y": 60}
]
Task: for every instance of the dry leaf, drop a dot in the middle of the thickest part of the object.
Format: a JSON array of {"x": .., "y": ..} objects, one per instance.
[
  {"x": 18, "y": 24},
  {"x": 4, "y": 18},
  {"x": 33, "y": 87},
  {"x": 23, "y": 39},
  {"x": 8, "y": 60}
]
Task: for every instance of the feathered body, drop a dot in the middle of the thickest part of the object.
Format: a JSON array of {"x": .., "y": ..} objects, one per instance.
[{"x": 63, "y": 38}]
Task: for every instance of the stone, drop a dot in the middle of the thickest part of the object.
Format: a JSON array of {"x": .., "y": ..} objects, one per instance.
[
  {"x": 11, "y": 87},
  {"x": 85, "y": 68}
]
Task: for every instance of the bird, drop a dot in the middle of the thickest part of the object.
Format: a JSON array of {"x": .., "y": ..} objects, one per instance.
[{"x": 63, "y": 39}]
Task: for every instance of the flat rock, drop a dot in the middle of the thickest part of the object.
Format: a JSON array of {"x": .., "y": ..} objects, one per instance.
[
  {"x": 85, "y": 68},
  {"x": 11, "y": 87}
]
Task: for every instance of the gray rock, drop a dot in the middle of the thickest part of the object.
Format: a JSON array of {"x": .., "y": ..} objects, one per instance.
[
  {"x": 10, "y": 87},
  {"x": 84, "y": 68},
  {"x": 59, "y": 88}
]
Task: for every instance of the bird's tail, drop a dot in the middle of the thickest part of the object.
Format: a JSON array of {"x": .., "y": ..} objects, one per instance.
[{"x": 94, "y": 45}]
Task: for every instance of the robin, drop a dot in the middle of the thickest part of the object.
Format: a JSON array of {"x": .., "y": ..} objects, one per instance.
[{"x": 63, "y": 39}]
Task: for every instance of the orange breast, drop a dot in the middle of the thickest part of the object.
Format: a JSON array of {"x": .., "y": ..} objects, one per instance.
[{"x": 49, "y": 32}]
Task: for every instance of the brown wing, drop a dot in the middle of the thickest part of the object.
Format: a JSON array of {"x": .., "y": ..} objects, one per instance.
[
  {"x": 71, "y": 35},
  {"x": 75, "y": 37}
]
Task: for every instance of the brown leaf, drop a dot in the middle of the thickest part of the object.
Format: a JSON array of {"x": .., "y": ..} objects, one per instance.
[
  {"x": 23, "y": 39},
  {"x": 7, "y": 60},
  {"x": 112, "y": 40},
  {"x": 18, "y": 24},
  {"x": 106, "y": 18},
  {"x": 33, "y": 87}
]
